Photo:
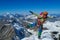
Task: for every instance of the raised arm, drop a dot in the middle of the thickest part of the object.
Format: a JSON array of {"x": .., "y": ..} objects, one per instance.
[{"x": 33, "y": 13}]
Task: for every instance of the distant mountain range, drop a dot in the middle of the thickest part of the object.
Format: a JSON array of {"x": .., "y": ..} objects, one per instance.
[
  {"x": 56, "y": 15},
  {"x": 19, "y": 15}
]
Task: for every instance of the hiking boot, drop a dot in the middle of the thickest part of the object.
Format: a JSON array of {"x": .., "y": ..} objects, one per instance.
[{"x": 38, "y": 37}]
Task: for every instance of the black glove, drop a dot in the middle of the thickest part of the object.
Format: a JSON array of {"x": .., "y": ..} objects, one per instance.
[{"x": 31, "y": 12}]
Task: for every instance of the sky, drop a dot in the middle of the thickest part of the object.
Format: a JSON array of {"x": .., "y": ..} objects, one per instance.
[{"x": 24, "y": 6}]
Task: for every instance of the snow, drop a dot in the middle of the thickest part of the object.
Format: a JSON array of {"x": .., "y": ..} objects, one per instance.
[
  {"x": 46, "y": 39},
  {"x": 17, "y": 26},
  {"x": 28, "y": 22},
  {"x": 31, "y": 17},
  {"x": 46, "y": 34},
  {"x": 52, "y": 25}
]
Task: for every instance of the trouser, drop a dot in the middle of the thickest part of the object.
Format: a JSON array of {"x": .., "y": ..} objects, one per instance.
[{"x": 40, "y": 30}]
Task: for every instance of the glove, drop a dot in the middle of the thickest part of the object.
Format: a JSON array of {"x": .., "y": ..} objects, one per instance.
[
  {"x": 31, "y": 12},
  {"x": 38, "y": 26}
]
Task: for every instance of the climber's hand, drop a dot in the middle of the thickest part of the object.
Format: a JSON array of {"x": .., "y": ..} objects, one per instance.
[{"x": 31, "y": 12}]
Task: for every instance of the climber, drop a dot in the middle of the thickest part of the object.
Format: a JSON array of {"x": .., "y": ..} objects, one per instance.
[{"x": 40, "y": 20}]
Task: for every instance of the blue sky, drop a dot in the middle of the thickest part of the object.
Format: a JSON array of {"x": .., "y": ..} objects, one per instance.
[{"x": 23, "y": 6}]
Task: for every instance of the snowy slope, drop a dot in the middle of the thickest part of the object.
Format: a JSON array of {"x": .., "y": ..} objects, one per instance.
[
  {"x": 32, "y": 37},
  {"x": 52, "y": 26}
]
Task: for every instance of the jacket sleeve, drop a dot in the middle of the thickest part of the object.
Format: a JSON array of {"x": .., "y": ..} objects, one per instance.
[{"x": 34, "y": 13}]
